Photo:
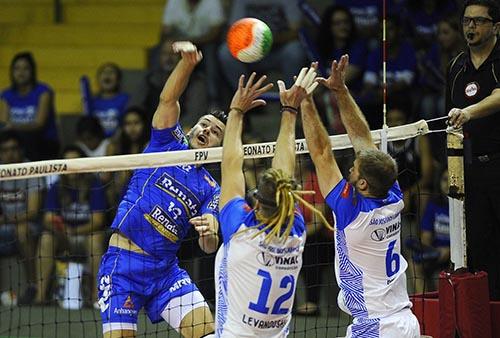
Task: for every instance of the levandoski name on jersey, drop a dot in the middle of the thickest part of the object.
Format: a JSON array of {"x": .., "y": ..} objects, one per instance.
[
  {"x": 185, "y": 196},
  {"x": 263, "y": 324}
]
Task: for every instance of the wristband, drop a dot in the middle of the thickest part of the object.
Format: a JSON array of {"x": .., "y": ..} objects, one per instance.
[
  {"x": 290, "y": 109},
  {"x": 239, "y": 110}
]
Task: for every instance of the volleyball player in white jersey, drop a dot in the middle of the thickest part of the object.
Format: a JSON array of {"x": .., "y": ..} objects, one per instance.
[
  {"x": 369, "y": 268},
  {"x": 259, "y": 262}
]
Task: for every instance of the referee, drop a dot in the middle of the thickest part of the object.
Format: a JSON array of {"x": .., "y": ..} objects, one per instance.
[{"x": 473, "y": 100}]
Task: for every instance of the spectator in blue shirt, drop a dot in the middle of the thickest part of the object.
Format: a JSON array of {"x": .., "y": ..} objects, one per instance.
[
  {"x": 73, "y": 224},
  {"x": 367, "y": 14},
  {"x": 110, "y": 103},
  {"x": 434, "y": 253},
  {"x": 27, "y": 107},
  {"x": 401, "y": 72}
]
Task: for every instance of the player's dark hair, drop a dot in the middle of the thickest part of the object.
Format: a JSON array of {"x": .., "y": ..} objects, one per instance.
[
  {"x": 28, "y": 57},
  {"x": 492, "y": 5},
  {"x": 220, "y": 115},
  {"x": 277, "y": 196},
  {"x": 325, "y": 39},
  {"x": 379, "y": 170}
]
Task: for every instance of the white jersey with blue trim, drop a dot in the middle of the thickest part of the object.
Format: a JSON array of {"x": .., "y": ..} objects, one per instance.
[
  {"x": 369, "y": 267},
  {"x": 255, "y": 282}
]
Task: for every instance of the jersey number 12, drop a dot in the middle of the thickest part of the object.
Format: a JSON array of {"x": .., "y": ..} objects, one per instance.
[{"x": 260, "y": 306}]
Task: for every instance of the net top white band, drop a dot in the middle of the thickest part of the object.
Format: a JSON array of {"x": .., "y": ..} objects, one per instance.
[{"x": 184, "y": 157}]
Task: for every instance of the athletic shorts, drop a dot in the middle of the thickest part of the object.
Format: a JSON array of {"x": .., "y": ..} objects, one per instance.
[
  {"x": 128, "y": 281},
  {"x": 403, "y": 324}
]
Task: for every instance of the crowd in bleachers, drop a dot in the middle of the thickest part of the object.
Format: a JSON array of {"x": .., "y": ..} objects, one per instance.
[{"x": 422, "y": 37}]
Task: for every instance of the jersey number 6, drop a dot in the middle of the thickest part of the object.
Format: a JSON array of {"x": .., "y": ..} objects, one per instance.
[
  {"x": 391, "y": 260},
  {"x": 260, "y": 306}
]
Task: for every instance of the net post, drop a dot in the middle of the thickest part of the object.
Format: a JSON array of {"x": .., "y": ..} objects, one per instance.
[{"x": 456, "y": 197}]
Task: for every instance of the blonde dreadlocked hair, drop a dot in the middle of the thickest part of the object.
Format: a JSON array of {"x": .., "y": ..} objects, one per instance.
[{"x": 277, "y": 196}]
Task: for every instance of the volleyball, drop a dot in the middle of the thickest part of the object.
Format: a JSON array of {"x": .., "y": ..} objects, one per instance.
[{"x": 249, "y": 40}]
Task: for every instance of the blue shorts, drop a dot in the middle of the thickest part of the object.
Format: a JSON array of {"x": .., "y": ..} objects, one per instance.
[{"x": 128, "y": 281}]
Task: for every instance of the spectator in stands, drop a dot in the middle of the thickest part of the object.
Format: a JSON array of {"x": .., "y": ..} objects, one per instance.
[
  {"x": 318, "y": 252},
  {"x": 401, "y": 72},
  {"x": 110, "y": 103},
  {"x": 27, "y": 107},
  {"x": 198, "y": 21},
  {"x": 20, "y": 202},
  {"x": 367, "y": 14},
  {"x": 90, "y": 136},
  {"x": 73, "y": 224},
  {"x": 424, "y": 19},
  {"x": 434, "y": 252},
  {"x": 287, "y": 54},
  {"x": 130, "y": 139},
  {"x": 414, "y": 159},
  {"x": 432, "y": 67},
  {"x": 336, "y": 37},
  {"x": 147, "y": 94}
]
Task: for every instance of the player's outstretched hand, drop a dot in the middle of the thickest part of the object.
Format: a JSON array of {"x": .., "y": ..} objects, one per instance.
[
  {"x": 336, "y": 80},
  {"x": 303, "y": 87},
  {"x": 189, "y": 52},
  {"x": 246, "y": 95}
]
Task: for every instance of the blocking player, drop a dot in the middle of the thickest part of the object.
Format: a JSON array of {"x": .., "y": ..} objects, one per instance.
[
  {"x": 258, "y": 264},
  {"x": 140, "y": 269},
  {"x": 369, "y": 268}
]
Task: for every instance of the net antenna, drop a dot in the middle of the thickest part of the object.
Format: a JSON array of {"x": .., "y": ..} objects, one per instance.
[
  {"x": 384, "y": 130},
  {"x": 183, "y": 157},
  {"x": 456, "y": 198}
]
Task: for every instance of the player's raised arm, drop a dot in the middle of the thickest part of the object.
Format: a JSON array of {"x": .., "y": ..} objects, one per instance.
[
  {"x": 352, "y": 117},
  {"x": 168, "y": 110},
  {"x": 290, "y": 99},
  {"x": 320, "y": 147},
  {"x": 245, "y": 98}
]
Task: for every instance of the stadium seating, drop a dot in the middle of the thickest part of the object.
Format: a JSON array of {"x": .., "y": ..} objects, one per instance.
[{"x": 91, "y": 32}]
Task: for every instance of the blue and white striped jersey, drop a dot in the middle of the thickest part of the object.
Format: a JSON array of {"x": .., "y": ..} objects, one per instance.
[{"x": 369, "y": 267}]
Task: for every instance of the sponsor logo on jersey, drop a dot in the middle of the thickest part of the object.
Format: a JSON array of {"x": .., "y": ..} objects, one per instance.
[
  {"x": 179, "y": 284},
  {"x": 178, "y": 191},
  {"x": 178, "y": 134},
  {"x": 390, "y": 230},
  {"x": 163, "y": 223},
  {"x": 128, "y": 303},
  {"x": 265, "y": 259},
  {"x": 281, "y": 262},
  {"x": 471, "y": 89},
  {"x": 345, "y": 191}
]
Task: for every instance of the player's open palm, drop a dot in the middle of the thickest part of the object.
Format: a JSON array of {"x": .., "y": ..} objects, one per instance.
[
  {"x": 246, "y": 95},
  {"x": 189, "y": 52},
  {"x": 336, "y": 80},
  {"x": 304, "y": 86}
]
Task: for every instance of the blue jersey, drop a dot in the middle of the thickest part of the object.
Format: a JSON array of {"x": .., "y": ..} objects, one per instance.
[
  {"x": 109, "y": 111},
  {"x": 437, "y": 220},
  {"x": 23, "y": 109},
  {"x": 255, "y": 280},
  {"x": 155, "y": 211}
]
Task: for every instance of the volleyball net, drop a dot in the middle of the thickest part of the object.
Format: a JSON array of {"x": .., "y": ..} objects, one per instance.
[{"x": 72, "y": 194}]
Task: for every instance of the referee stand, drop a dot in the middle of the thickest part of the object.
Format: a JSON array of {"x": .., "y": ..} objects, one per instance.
[{"x": 461, "y": 307}]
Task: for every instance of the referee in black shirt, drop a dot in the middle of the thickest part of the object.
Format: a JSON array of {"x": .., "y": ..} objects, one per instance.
[{"x": 473, "y": 100}]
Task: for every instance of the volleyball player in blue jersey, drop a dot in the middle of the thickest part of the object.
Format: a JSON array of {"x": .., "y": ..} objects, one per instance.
[
  {"x": 259, "y": 262},
  {"x": 366, "y": 207},
  {"x": 140, "y": 268}
]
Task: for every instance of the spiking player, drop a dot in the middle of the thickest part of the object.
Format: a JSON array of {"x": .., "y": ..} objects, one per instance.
[
  {"x": 140, "y": 269},
  {"x": 259, "y": 262},
  {"x": 367, "y": 208}
]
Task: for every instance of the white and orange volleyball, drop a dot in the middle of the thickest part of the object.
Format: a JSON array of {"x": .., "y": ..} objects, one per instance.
[{"x": 249, "y": 40}]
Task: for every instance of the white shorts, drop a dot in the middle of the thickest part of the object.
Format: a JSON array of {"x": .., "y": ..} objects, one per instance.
[{"x": 403, "y": 324}]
